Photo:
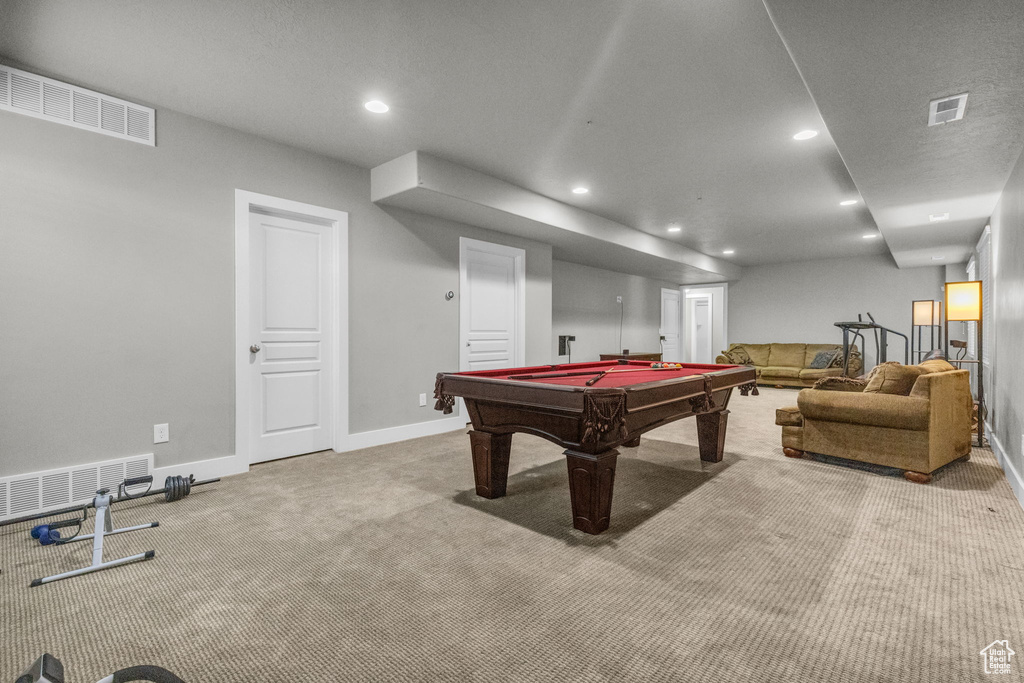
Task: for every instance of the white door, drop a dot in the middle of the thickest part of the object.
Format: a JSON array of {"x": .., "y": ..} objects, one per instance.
[
  {"x": 701, "y": 330},
  {"x": 492, "y": 311},
  {"x": 669, "y": 329},
  {"x": 291, "y": 273}
]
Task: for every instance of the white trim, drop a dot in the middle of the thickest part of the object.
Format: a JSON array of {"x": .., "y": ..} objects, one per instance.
[
  {"x": 244, "y": 202},
  {"x": 1012, "y": 475},
  {"x": 725, "y": 305},
  {"x": 519, "y": 259},
  {"x": 201, "y": 469},
  {"x": 380, "y": 437}
]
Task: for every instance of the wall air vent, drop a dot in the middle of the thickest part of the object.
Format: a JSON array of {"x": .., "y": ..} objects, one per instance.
[
  {"x": 946, "y": 109},
  {"x": 38, "y": 492},
  {"x": 44, "y": 98}
]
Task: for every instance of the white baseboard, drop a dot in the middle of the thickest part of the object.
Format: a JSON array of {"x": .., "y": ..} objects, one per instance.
[
  {"x": 379, "y": 437},
  {"x": 1012, "y": 475},
  {"x": 201, "y": 469}
]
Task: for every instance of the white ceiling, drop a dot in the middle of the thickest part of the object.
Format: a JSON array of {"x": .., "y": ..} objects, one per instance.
[{"x": 671, "y": 112}]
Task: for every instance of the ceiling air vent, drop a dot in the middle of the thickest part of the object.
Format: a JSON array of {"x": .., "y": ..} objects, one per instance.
[
  {"x": 946, "y": 109},
  {"x": 44, "y": 98}
]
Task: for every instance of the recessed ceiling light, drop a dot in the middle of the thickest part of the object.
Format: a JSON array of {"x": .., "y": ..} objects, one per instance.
[
  {"x": 674, "y": 228},
  {"x": 871, "y": 235},
  {"x": 936, "y": 217},
  {"x": 376, "y": 106},
  {"x": 848, "y": 202},
  {"x": 580, "y": 190},
  {"x": 729, "y": 251},
  {"x": 805, "y": 135},
  {"x": 937, "y": 258}
]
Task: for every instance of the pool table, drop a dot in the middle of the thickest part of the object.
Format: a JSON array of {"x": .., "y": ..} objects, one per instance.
[{"x": 590, "y": 409}]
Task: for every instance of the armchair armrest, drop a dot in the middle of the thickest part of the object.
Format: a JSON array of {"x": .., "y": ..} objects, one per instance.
[{"x": 877, "y": 410}]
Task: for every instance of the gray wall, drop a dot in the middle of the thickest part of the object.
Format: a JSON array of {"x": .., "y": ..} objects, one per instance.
[
  {"x": 584, "y": 305},
  {"x": 799, "y": 302},
  {"x": 117, "y": 290},
  {"x": 1007, "y": 328}
]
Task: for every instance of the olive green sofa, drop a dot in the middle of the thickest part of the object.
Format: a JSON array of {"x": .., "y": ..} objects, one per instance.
[{"x": 787, "y": 365}]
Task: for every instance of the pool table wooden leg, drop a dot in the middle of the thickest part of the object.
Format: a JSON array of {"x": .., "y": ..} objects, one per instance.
[
  {"x": 591, "y": 480},
  {"x": 711, "y": 435},
  {"x": 490, "y": 462}
]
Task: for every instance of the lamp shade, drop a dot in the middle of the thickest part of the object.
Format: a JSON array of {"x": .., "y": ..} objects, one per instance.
[
  {"x": 963, "y": 300},
  {"x": 927, "y": 312}
]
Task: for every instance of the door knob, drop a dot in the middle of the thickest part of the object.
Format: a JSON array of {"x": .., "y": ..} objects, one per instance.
[{"x": 255, "y": 348}]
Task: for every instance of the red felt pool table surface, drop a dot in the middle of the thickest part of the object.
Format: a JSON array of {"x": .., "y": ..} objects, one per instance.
[{"x": 640, "y": 372}]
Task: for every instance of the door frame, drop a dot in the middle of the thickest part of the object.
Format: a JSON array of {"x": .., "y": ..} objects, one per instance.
[
  {"x": 337, "y": 221},
  {"x": 685, "y": 322},
  {"x": 519, "y": 260}
]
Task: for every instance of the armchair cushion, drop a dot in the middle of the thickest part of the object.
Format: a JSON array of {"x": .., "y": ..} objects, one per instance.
[
  {"x": 876, "y": 410},
  {"x": 893, "y": 378},
  {"x": 789, "y": 417}
]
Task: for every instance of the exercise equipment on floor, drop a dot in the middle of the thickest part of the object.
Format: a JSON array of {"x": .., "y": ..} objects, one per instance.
[
  {"x": 881, "y": 340},
  {"x": 104, "y": 527},
  {"x": 175, "y": 488},
  {"x": 48, "y": 669}
]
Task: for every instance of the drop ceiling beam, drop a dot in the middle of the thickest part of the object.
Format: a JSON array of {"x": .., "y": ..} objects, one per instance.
[{"x": 427, "y": 184}]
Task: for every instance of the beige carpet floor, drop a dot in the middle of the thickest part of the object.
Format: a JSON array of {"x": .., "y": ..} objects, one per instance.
[{"x": 382, "y": 565}]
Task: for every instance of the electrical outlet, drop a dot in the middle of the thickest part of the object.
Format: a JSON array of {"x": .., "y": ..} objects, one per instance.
[
  {"x": 618, "y": 299},
  {"x": 161, "y": 433},
  {"x": 423, "y": 400}
]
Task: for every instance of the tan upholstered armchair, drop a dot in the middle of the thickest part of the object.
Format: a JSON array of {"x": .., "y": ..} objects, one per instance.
[{"x": 919, "y": 432}]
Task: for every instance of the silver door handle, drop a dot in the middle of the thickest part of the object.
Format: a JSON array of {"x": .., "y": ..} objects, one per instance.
[{"x": 255, "y": 348}]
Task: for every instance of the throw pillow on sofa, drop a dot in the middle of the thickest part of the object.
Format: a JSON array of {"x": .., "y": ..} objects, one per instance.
[
  {"x": 840, "y": 384},
  {"x": 739, "y": 356},
  {"x": 824, "y": 359},
  {"x": 893, "y": 378}
]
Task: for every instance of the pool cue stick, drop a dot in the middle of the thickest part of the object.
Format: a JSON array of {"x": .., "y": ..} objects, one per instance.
[
  {"x": 542, "y": 375},
  {"x": 592, "y": 382}
]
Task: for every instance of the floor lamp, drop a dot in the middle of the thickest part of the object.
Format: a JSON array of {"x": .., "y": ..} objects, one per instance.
[
  {"x": 963, "y": 303},
  {"x": 926, "y": 313}
]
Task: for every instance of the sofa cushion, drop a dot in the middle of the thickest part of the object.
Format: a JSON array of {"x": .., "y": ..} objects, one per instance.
[
  {"x": 787, "y": 355},
  {"x": 877, "y": 410},
  {"x": 814, "y": 349},
  {"x": 810, "y": 374},
  {"x": 788, "y": 417},
  {"x": 758, "y": 353},
  {"x": 893, "y": 378},
  {"x": 780, "y": 372}
]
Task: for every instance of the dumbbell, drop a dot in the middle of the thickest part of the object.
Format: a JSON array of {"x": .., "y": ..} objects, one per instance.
[{"x": 45, "y": 535}]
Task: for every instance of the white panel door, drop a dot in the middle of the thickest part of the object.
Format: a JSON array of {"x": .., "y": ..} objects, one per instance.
[
  {"x": 702, "y": 328},
  {"x": 491, "y": 310},
  {"x": 669, "y": 329},
  {"x": 290, "y": 335}
]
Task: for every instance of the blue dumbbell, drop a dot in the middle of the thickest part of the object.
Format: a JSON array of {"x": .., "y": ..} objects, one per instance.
[{"x": 45, "y": 534}]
